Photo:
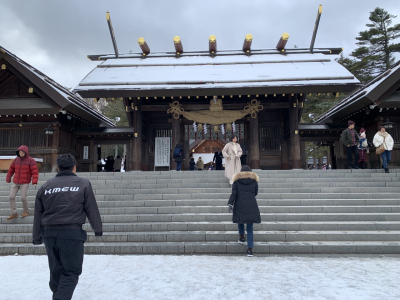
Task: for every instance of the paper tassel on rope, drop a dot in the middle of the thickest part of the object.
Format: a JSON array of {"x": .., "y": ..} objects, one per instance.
[
  {"x": 200, "y": 127},
  {"x": 233, "y": 127},
  {"x": 229, "y": 127},
  {"x": 222, "y": 129},
  {"x": 205, "y": 128},
  {"x": 194, "y": 127}
]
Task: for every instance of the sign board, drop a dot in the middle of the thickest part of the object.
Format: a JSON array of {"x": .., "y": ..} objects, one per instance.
[
  {"x": 85, "y": 152},
  {"x": 162, "y": 152}
]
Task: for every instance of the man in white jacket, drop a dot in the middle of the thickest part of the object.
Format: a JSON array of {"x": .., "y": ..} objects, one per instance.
[{"x": 383, "y": 137}]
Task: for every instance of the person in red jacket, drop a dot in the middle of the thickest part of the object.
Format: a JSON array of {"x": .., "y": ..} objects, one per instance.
[{"x": 25, "y": 170}]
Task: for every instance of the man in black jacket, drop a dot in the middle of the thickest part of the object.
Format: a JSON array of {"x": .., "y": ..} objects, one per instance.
[
  {"x": 218, "y": 159},
  {"x": 61, "y": 207}
]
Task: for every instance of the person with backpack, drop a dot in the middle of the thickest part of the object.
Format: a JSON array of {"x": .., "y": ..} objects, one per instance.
[
  {"x": 350, "y": 139},
  {"x": 25, "y": 169},
  {"x": 179, "y": 156},
  {"x": 243, "y": 204}
]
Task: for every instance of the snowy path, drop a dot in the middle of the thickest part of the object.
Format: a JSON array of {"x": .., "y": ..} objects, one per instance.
[{"x": 211, "y": 277}]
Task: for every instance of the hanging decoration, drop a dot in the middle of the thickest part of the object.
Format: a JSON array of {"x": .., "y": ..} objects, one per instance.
[
  {"x": 233, "y": 127},
  {"x": 200, "y": 127},
  {"x": 194, "y": 127},
  {"x": 222, "y": 129},
  {"x": 205, "y": 128},
  {"x": 229, "y": 127},
  {"x": 215, "y": 115}
]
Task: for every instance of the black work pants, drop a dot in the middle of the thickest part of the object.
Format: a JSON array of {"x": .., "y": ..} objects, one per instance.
[
  {"x": 65, "y": 263},
  {"x": 243, "y": 160},
  {"x": 350, "y": 151},
  {"x": 218, "y": 165}
]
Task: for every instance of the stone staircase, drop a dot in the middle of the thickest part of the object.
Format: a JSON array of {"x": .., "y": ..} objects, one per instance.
[{"x": 335, "y": 211}]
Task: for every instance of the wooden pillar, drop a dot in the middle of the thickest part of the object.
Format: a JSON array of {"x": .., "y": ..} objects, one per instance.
[
  {"x": 92, "y": 156},
  {"x": 185, "y": 144},
  {"x": 137, "y": 136},
  {"x": 285, "y": 155},
  {"x": 254, "y": 144},
  {"x": 304, "y": 158},
  {"x": 55, "y": 148},
  {"x": 129, "y": 155},
  {"x": 294, "y": 133},
  {"x": 146, "y": 146},
  {"x": 176, "y": 135}
]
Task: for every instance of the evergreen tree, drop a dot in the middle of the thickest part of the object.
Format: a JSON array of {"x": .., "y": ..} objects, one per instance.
[
  {"x": 315, "y": 105},
  {"x": 377, "y": 45}
]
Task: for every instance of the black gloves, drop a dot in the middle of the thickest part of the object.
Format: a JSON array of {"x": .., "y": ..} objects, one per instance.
[
  {"x": 37, "y": 242},
  {"x": 230, "y": 208},
  {"x": 98, "y": 233}
]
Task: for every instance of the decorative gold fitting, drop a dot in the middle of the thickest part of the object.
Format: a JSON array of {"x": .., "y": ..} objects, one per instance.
[
  {"x": 141, "y": 41},
  {"x": 132, "y": 106},
  {"x": 20, "y": 125},
  {"x": 320, "y": 9},
  {"x": 177, "y": 39},
  {"x": 108, "y": 16},
  {"x": 285, "y": 36},
  {"x": 249, "y": 37},
  {"x": 294, "y": 105},
  {"x": 135, "y": 107},
  {"x": 3, "y": 67},
  {"x": 135, "y": 134},
  {"x": 147, "y": 98},
  {"x": 212, "y": 38},
  {"x": 283, "y": 95},
  {"x": 30, "y": 91},
  {"x": 138, "y": 98},
  {"x": 126, "y": 108},
  {"x": 296, "y": 132}
]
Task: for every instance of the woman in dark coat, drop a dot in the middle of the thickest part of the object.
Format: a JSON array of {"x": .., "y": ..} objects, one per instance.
[
  {"x": 243, "y": 203},
  {"x": 192, "y": 164}
]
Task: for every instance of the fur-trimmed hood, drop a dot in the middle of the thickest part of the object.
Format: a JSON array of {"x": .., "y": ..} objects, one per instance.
[{"x": 245, "y": 175}]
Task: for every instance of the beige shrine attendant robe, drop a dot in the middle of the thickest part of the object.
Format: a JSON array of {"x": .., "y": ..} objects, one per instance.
[{"x": 232, "y": 162}]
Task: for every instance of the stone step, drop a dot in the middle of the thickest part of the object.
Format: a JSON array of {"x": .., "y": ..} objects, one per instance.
[
  {"x": 204, "y": 217},
  {"x": 224, "y": 236},
  {"x": 317, "y": 247},
  {"x": 223, "y": 209},
  {"x": 225, "y": 226},
  {"x": 5, "y": 204}
]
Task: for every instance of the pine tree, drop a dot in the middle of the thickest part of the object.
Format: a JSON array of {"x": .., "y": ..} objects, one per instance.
[{"x": 375, "y": 53}]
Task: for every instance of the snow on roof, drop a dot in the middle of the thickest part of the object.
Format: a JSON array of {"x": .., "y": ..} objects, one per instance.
[
  {"x": 368, "y": 91},
  {"x": 68, "y": 96},
  {"x": 206, "y": 72}
]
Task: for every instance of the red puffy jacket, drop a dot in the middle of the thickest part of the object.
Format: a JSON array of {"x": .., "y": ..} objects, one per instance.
[{"x": 24, "y": 168}]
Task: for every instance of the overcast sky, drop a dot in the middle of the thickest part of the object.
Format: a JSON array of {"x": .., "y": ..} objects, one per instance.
[{"x": 56, "y": 36}]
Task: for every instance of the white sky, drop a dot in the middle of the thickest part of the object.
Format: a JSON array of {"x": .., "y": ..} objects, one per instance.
[{"x": 56, "y": 36}]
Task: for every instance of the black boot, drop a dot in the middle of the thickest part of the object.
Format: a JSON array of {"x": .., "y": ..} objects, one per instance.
[{"x": 387, "y": 171}]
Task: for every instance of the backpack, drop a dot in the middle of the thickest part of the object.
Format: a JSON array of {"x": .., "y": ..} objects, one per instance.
[{"x": 177, "y": 152}]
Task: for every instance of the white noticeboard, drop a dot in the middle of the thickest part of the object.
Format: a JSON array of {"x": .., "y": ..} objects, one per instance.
[
  {"x": 85, "y": 152},
  {"x": 162, "y": 152}
]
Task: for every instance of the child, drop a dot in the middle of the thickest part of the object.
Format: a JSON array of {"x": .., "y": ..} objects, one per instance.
[
  {"x": 192, "y": 164},
  {"x": 363, "y": 149}
]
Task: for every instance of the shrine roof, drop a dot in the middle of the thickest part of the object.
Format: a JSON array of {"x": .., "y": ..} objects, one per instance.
[
  {"x": 62, "y": 96},
  {"x": 383, "y": 92},
  {"x": 228, "y": 72}
]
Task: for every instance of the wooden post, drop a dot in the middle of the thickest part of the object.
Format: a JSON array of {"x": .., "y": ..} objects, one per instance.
[
  {"x": 137, "y": 136},
  {"x": 254, "y": 144},
  {"x": 285, "y": 155},
  {"x": 185, "y": 149},
  {"x": 146, "y": 146},
  {"x": 176, "y": 134},
  {"x": 56, "y": 146},
  {"x": 304, "y": 159},
  {"x": 92, "y": 156},
  {"x": 294, "y": 133},
  {"x": 129, "y": 156}
]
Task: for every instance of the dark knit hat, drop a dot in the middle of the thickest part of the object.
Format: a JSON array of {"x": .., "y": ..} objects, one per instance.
[
  {"x": 362, "y": 130},
  {"x": 349, "y": 122}
]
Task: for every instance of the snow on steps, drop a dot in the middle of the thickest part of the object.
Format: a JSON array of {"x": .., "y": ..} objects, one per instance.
[{"x": 336, "y": 211}]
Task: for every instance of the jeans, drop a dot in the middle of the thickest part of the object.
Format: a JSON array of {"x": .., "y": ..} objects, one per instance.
[
  {"x": 350, "y": 151},
  {"x": 386, "y": 158},
  {"x": 178, "y": 166},
  {"x": 249, "y": 229}
]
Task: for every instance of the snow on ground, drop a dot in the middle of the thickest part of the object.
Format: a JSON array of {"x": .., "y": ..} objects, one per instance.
[{"x": 211, "y": 277}]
